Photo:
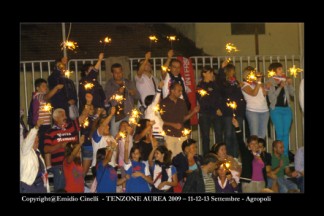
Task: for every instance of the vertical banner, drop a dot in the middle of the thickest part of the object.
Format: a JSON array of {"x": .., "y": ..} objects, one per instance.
[{"x": 187, "y": 72}]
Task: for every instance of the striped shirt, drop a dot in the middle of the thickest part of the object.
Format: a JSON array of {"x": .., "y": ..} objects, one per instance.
[
  {"x": 57, "y": 135},
  {"x": 209, "y": 183},
  {"x": 38, "y": 109}
]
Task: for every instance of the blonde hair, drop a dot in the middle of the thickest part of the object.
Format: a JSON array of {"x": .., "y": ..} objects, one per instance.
[{"x": 57, "y": 112}]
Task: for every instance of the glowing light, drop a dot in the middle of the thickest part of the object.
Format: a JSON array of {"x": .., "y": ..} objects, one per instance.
[
  {"x": 118, "y": 98},
  {"x": 251, "y": 77},
  {"x": 202, "y": 92},
  {"x": 185, "y": 132},
  {"x": 165, "y": 69},
  {"x": 172, "y": 37},
  {"x": 271, "y": 73},
  {"x": 106, "y": 40},
  {"x": 233, "y": 105},
  {"x": 88, "y": 86},
  {"x": 71, "y": 45},
  {"x": 134, "y": 116},
  {"x": 153, "y": 38},
  {"x": 47, "y": 107},
  {"x": 122, "y": 134},
  {"x": 163, "y": 133},
  {"x": 227, "y": 165},
  {"x": 67, "y": 73},
  {"x": 293, "y": 71},
  {"x": 231, "y": 48},
  {"x": 85, "y": 123}
]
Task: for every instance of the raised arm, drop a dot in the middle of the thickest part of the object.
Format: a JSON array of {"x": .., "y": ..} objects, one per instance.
[
  {"x": 194, "y": 111},
  {"x": 167, "y": 63},
  {"x": 150, "y": 158},
  {"x": 139, "y": 136},
  {"x": 107, "y": 120},
  {"x": 100, "y": 58},
  {"x": 28, "y": 143},
  {"x": 52, "y": 92},
  {"x": 76, "y": 150},
  {"x": 86, "y": 109},
  {"x": 140, "y": 70}
]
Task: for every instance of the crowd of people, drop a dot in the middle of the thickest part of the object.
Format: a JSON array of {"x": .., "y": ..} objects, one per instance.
[{"x": 151, "y": 151}]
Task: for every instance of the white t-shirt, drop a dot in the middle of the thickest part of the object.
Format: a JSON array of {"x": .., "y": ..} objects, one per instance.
[
  {"x": 167, "y": 84},
  {"x": 121, "y": 148},
  {"x": 145, "y": 86},
  {"x": 151, "y": 114},
  {"x": 256, "y": 103},
  {"x": 98, "y": 142}
]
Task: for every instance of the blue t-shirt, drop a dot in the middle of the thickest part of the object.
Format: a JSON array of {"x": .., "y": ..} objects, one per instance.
[
  {"x": 138, "y": 184},
  {"x": 106, "y": 179}
]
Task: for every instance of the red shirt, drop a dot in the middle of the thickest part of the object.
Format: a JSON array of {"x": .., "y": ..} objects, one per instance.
[{"x": 74, "y": 181}]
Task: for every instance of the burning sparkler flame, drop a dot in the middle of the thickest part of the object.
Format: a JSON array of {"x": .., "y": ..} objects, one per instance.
[
  {"x": 227, "y": 165},
  {"x": 232, "y": 104},
  {"x": 118, "y": 98},
  {"x": 231, "y": 48},
  {"x": 71, "y": 45},
  {"x": 163, "y": 133},
  {"x": 122, "y": 134},
  {"x": 134, "y": 116},
  {"x": 172, "y": 38},
  {"x": 293, "y": 71},
  {"x": 85, "y": 123},
  {"x": 67, "y": 73},
  {"x": 106, "y": 40},
  {"x": 271, "y": 73},
  {"x": 202, "y": 92},
  {"x": 251, "y": 77},
  {"x": 88, "y": 86},
  {"x": 185, "y": 132},
  {"x": 153, "y": 38},
  {"x": 47, "y": 107},
  {"x": 164, "y": 68}
]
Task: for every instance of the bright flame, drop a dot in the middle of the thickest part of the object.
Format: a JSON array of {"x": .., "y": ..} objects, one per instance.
[
  {"x": 163, "y": 133},
  {"x": 153, "y": 38},
  {"x": 164, "y": 68},
  {"x": 293, "y": 71},
  {"x": 202, "y": 92},
  {"x": 271, "y": 73},
  {"x": 47, "y": 107},
  {"x": 118, "y": 98},
  {"x": 231, "y": 48},
  {"x": 185, "y": 132},
  {"x": 251, "y": 77},
  {"x": 136, "y": 113},
  {"x": 85, "y": 123},
  {"x": 232, "y": 104},
  {"x": 122, "y": 134},
  {"x": 227, "y": 165},
  {"x": 106, "y": 40},
  {"x": 88, "y": 86},
  {"x": 67, "y": 73},
  {"x": 71, "y": 45},
  {"x": 172, "y": 38}
]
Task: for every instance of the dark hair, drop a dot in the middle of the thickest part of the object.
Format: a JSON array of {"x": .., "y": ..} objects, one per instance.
[
  {"x": 229, "y": 67},
  {"x": 133, "y": 149},
  {"x": 142, "y": 123},
  {"x": 101, "y": 154},
  {"x": 274, "y": 143},
  {"x": 204, "y": 70},
  {"x": 274, "y": 66},
  {"x": 209, "y": 158},
  {"x": 187, "y": 143},
  {"x": 175, "y": 60},
  {"x": 167, "y": 155},
  {"x": 85, "y": 68},
  {"x": 39, "y": 81},
  {"x": 173, "y": 85},
  {"x": 116, "y": 65},
  {"x": 260, "y": 140},
  {"x": 148, "y": 100},
  {"x": 68, "y": 149},
  {"x": 215, "y": 148},
  {"x": 124, "y": 121},
  {"x": 140, "y": 62},
  {"x": 252, "y": 138}
]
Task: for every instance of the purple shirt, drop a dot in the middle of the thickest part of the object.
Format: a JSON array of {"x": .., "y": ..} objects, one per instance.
[{"x": 257, "y": 166}]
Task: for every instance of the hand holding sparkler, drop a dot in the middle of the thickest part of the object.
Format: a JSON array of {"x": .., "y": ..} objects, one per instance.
[
  {"x": 235, "y": 123},
  {"x": 233, "y": 105},
  {"x": 105, "y": 42},
  {"x": 39, "y": 123},
  {"x": 113, "y": 111}
]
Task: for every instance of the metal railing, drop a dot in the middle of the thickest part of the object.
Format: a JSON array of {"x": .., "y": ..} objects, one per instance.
[{"x": 31, "y": 70}]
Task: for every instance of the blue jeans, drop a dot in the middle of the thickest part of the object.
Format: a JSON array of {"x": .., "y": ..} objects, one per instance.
[
  {"x": 58, "y": 177},
  {"x": 284, "y": 184},
  {"x": 281, "y": 117},
  {"x": 258, "y": 122},
  {"x": 230, "y": 135},
  {"x": 114, "y": 126},
  {"x": 205, "y": 121}
]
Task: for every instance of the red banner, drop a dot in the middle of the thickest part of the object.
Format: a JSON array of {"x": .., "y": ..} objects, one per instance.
[{"x": 187, "y": 72}]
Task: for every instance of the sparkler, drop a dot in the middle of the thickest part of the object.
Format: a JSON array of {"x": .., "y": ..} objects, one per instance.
[
  {"x": 202, "y": 92},
  {"x": 157, "y": 109},
  {"x": 165, "y": 69},
  {"x": 71, "y": 45},
  {"x": 229, "y": 47},
  {"x": 271, "y": 73},
  {"x": 152, "y": 38},
  {"x": 105, "y": 41},
  {"x": 47, "y": 108},
  {"x": 67, "y": 73},
  {"x": 233, "y": 105},
  {"x": 171, "y": 38},
  {"x": 88, "y": 86},
  {"x": 185, "y": 132},
  {"x": 118, "y": 98},
  {"x": 122, "y": 134},
  {"x": 85, "y": 123},
  {"x": 251, "y": 77},
  {"x": 134, "y": 116},
  {"x": 293, "y": 71},
  {"x": 163, "y": 133}
]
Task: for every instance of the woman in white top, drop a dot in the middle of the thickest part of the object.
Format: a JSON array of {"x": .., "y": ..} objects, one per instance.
[{"x": 257, "y": 111}]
